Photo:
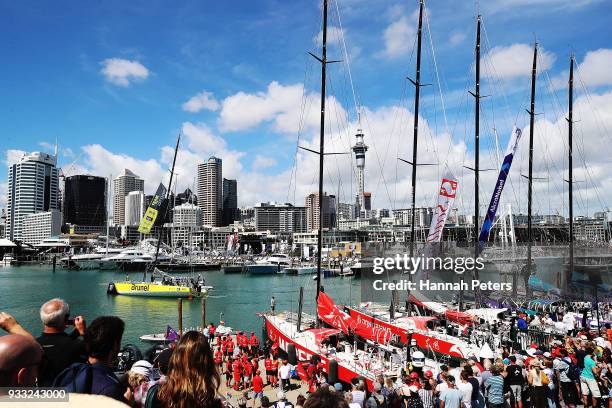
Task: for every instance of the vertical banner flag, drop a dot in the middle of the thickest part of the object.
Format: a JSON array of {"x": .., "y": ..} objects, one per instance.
[
  {"x": 499, "y": 187},
  {"x": 446, "y": 197},
  {"x": 151, "y": 215}
]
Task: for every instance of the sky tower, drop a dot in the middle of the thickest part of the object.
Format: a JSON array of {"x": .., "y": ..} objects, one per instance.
[{"x": 360, "y": 150}]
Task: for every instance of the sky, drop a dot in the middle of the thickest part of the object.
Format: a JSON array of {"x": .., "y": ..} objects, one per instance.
[{"x": 115, "y": 83}]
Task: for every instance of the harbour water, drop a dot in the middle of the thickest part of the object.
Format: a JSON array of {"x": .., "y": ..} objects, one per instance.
[{"x": 238, "y": 296}]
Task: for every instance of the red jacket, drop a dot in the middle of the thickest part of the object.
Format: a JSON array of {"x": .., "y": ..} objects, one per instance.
[
  {"x": 257, "y": 383},
  {"x": 254, "y": 341}
]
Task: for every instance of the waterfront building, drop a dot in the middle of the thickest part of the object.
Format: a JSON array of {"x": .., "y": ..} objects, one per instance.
[
  {"x": 40, "y": 226},
  {"x": 355, "y": 224},
  {"x": 210, "y": 191},
  {"x": 280, "y": 217},
  {"x": 126, "y": 182},
  {"x": 85, "y": 201},
  {"x": 134, "y": 208},
  {"x": 186, "y": 196},
  {"x": 346, "y": 211},
  {"x": 33, "y": 186},
  {"x": 404, "y": 216},
  {"x": 187, "y": 218},
  {"x": 231, "y": 212},
  {"x": 328, "y": 220}
]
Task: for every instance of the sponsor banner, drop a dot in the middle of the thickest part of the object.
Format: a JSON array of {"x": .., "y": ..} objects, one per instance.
[
  {"x": 446, "y": 197},
  {"x": 499, "y": 187},
  {"x": 153, "y": 211}
]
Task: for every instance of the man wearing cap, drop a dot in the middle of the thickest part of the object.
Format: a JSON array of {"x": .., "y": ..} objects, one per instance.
[
  {"x": 376, "y": 399},
  {"x": 258, "y": 386},
  {"x": 282, "y": 401},
  {"x": 139, "y": 379},
  {"x": 494, "y": 389}
]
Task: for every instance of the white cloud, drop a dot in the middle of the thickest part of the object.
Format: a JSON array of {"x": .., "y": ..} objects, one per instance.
[
  {"x": 399, "y": 37},
  {"x": 456, "y": 38},
  {"x": 284, "y": 106},
  {"x": 13, "y": 156},
  {"x": 594, "y": 70},
  {"x": 263, "y": 162},
  {"x": 504, "y": 5},
  {"x": 203, "y": 100},
  {"x": 201, "y": 139},
  {"x": 123, "y": 72},
  {"x": 513, "y": 61},
  {"x": 334, "y": 36}
]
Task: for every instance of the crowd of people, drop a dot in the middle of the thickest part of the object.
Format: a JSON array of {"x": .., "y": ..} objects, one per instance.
[{"x": 572, "y": 370}]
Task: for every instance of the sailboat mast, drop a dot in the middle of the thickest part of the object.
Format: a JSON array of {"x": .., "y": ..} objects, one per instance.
[
  {"x": 530, "y": 175},
  {"x": 570, "y": 165},
  {"x": 323, "y": 61},
  {"x": 159, "y": 237},
  {"x": 477, "y": 144},
  {"x": 417, "y": 94}
]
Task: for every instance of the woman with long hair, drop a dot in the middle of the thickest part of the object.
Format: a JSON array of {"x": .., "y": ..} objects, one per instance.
[{"x": 193, "y": 377}]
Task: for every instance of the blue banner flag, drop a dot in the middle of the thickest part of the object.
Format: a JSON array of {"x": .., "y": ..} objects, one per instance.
[{"x": 499, "y": 187}]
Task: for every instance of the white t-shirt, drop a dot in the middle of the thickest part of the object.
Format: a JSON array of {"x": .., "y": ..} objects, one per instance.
[
  {"x": 441, "y": 389},
  {"x": 358, "y": 397},
  {"x": 284, "y": 371},
  {"x": 466, "y": 393}
]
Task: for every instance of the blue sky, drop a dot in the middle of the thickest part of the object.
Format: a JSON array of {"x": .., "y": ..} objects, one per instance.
[{"x": 110, "y": 81}]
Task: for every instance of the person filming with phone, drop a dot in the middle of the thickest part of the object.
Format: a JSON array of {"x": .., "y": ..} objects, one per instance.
[{"x": 60, "y": 348}]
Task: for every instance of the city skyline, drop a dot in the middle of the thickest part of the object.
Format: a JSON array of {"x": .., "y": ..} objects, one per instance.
[{"x": 251, "y": 119}]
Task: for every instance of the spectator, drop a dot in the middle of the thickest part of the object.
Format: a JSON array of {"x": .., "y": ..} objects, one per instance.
[
  {"x": 193, "y": 379},
  {"x": 103, "y": 340},
  {"x": 19, "y": 359},
  {"x": 561, "y": 366},
  {"x": 282, "y": 401},
  {"x": 476, "y": 397},
  {"x": 325, "y": 398},
  {"x": 299, "y": 401},
  {"x": 11, "y": 326},
  {"x": 376, "y": 399},
  {"x": 494, "y": 389},
  {"x": 465, "y": 388},
  {"x": 515, "y": 380},
  {"x": 139, "y": 379},
  {"x": 452, "y": 396},
  {"x": 357, "y": 392},
  {"x": 258, "y": 386},
  {"x": 539, "y": 384},
  {"x": 588, "y": 383},
  {"x": 426, "y": 391},
  {"x": 284, "y": 374},
  {"x": 351, "y": 402},
  {"x": 61, "y": 349}
]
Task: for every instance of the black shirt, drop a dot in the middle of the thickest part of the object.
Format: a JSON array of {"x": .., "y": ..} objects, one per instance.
[
  {"x": 580, "y": 355},
  {"x": 60, "y": 351},
  {"x": 515, "y": 375},
  {"x": 475, "y": 387}
]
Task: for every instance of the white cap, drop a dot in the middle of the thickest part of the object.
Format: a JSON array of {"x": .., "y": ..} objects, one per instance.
[
  {"x": 413, "y": 388},
  {"x": 142, "y": 367},
  {"x": 531, "y": 351}
]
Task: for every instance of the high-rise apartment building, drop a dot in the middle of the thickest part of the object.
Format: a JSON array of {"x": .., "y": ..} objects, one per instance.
[
  {"x": 279, "y": 217},
  {"x": 210, "y": 191},
  {"x": 85, "y": 200},
  {"x": 33, "y": 186},
  {"x": 134, "y": 208},
  {"x": 126, "y": 181},
  {"x": 328, "y": 209},
  {"x": 231, "y": 212}
]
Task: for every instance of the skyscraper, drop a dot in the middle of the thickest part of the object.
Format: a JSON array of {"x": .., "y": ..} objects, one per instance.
[
  {"x": 85, "y": 200},
  {"x": 126, "y": 181},
  {"x": 328, "y": 208},
  {"x": 210, "y": 191},
  {"x": 33, "y": 186},
  {"x": 360, "y": 150},
  {"x": 231, "y": 212},
  {"x": 134, "y": 207}
]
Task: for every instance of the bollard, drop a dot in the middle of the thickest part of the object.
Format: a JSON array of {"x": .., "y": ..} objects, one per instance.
[{"x": 180, "y": 317}]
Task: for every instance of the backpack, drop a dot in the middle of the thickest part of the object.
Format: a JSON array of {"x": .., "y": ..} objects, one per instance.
[
  {"x": 573, "y": 372},
  {"x": 76, "y": 378},
  {"x": 151, "y": 398}
]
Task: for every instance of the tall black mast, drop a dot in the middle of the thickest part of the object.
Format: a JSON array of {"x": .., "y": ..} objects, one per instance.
[
  {"x": 323, "y": 61},
  {"x": 530, "y": 175},
  {"x": 417, "y": 94},
  {"x": 570, "y": 165},
  {"x": 161, "y": 229},
  {"x": 476, "y": 95}
]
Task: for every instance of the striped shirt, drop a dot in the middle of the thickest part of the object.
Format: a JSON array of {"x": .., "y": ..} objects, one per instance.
[
  {"x": 426, "y": 397},
  {"x": 495, "y": 389}
]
